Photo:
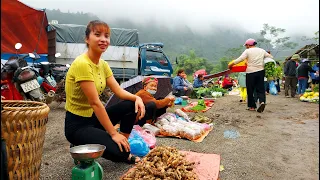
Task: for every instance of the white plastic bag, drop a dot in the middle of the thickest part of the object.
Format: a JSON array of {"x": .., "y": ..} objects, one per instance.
[
  {"x": 155, "y": 130},
  {"x": 182, "y": 114}
]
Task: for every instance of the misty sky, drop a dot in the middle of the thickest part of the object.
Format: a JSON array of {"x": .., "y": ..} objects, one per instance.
[{"x": 296, "y": 16}]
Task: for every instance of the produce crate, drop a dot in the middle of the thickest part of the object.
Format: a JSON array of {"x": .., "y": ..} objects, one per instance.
[{"x": 23, "y": 127}]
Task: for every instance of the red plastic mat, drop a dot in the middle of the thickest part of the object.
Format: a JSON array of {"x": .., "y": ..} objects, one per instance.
[
  {"x": 207, "y": 165},
  {"x": 188, "y": 108}
]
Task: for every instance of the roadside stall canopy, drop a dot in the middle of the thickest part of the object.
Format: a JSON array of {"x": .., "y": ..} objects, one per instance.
[{"x": 23, "y": 24}]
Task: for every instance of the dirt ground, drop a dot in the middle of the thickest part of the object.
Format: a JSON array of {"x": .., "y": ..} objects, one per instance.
[{"x": 280, "y": 143}]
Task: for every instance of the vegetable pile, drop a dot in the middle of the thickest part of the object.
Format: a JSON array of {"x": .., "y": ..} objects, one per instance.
[
  {"x": 200, "y": 106},
  {"x": 310, "y": 97},
  {"x": 163, "y": 163},
  {"x": 270, "y": 70},
  {"x": 206, "y": 92}
]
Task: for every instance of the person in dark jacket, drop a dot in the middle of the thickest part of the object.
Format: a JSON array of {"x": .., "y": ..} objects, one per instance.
[
  {"x": 302, "y": 74},
  {"x": 198, "y": 82},
  {"x": 315, "y": 76},
  {"x": 291, "y": 75},
  {"x": 179, "y": 86}
]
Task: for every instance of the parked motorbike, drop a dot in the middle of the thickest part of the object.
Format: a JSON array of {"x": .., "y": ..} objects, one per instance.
[
  {"x": 16, "y": 73},
  {"x": 45, "y": 76}
]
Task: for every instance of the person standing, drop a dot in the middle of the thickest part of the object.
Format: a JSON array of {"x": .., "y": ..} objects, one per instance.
[
  {"x": 243, "y": 88},
  {"x": 290, "y": 71},
  {"x": 254, "y": 73},
  {"x": 302, "y": 74},
  {"x": 315, "y": 76}
]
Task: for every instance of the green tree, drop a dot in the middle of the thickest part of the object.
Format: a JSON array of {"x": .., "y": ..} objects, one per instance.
[
  {"x": 191, "y": 63},
  {"x": 314, "y": 39},
  {"x": 272, "y": 39}
]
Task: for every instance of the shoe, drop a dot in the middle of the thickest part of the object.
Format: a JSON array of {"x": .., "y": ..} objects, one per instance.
[
  {"x": 287, "y": 96},
  {"x": 261, "y": 107}
]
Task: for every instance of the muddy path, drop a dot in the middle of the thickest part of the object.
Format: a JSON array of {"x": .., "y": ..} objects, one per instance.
[{"x": 281, "y": 143}]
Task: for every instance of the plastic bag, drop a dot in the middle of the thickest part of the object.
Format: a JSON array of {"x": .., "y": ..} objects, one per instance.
[
  {"x": 162, "y": 121},
  {"x": 178, "y": 101},
  {"x": 190, "y": 134},
  {"x": 169, "y": 116},
  {"x": 182, "y": 114},
  {"x": 273, "y": 88},
  {"x": 147, "y": 136},
  {"x": 137, "y": 144},
  {"x": 168, "y": 130},
  {"x": 151, "y": 128}
]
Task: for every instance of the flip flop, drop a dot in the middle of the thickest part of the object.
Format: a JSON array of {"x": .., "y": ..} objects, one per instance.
[
  {"x": 132, "y": 160},
  {"x": 251, "y": 109},
  {"x": 261, "y": 107}
]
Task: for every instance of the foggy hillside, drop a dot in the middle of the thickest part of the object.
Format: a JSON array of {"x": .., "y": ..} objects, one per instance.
[{"x": 179, "y": 39}]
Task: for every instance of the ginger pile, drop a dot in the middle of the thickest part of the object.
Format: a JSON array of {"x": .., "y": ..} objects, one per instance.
[{"x": 163, "y": 163}]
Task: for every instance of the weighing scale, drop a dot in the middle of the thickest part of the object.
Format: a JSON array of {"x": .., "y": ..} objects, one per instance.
[{"x": 87, "y": 168}]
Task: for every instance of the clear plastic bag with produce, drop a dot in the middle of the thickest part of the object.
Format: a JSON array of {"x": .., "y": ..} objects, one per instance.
[
  {"x": 190, "y": 134},
  {"x": 155, "y": 130},
  {"x": 168, "y": 130},
  {"x": 162, "y": 121},
  {"x": 182, "y": 114},
  {"x": 169, "y": 116}
]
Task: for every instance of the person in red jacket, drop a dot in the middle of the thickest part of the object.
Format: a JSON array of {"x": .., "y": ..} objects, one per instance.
[{"x": 227, "y": 83}]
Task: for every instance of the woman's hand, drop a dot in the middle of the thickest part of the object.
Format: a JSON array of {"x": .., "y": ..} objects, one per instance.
[
  {"x": 171, "y": 98},
  {"x": 230, "y": 65},
  {"x": 121, "y": 141},
  {"x": 140, "y": 106}
]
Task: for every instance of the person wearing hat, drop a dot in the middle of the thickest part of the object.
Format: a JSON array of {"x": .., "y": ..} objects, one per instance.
[
  {"x": 315, "y": 76},
  {"x": 303, "y": 76},
  {"x": 290, "y": 72},
  {"x": 154, "y": 107},
  {"x": 254, "y": 73}
]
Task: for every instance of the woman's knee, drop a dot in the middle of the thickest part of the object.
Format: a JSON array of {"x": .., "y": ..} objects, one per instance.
[{"x": 151, "y": 105}]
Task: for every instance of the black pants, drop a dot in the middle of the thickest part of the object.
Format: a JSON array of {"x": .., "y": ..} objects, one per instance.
[
  {"x": 88, "y": 130},
  {"x": 290, "y": 83},
  {"x": 228, "y": 86},
  {"x": 151, "y": 113},
  {"x": 278, "y": 85},
  {"x": 255, "y": 81},
  {"x": 182, "y": 92}
]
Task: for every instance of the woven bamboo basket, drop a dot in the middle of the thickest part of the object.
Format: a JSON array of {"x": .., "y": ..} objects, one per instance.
[{"x": 23, "y": 126}]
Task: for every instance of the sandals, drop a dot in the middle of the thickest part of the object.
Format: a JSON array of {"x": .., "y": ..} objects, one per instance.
[
  {"x": 261, "y": 107},
  {"x": 132, "y": 160},
  {"x": 251, "y": 109}
]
